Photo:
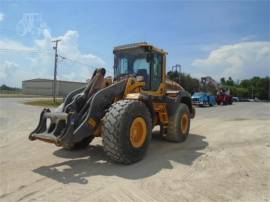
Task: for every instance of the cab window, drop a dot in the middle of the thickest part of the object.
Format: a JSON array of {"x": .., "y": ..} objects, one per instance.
[
  {"x": 142, "y": 68},
  {"x": 156, "y": 77},
  {"x": 123, "y": 64}
]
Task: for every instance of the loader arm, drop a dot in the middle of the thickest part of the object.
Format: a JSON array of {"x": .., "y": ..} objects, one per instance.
[{"x": 67, "y": 129}]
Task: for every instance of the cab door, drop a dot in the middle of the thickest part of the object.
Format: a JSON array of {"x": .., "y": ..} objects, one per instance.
[{"x": 156, "y": 72}]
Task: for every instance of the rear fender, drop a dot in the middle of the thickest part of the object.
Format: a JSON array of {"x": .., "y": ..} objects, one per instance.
[{"x": 185, "y": 97}]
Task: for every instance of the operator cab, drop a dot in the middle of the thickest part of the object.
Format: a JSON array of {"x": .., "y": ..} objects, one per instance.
[{"x": 142, "y": 61}]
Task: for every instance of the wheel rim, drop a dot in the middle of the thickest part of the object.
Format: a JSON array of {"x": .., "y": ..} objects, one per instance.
[
  {"x": 138, "y": 132},
  {"x": 184, "y": 123}
]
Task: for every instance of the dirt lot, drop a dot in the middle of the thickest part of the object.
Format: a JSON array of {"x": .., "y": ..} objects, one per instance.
[{"x": 226, "y": 158}]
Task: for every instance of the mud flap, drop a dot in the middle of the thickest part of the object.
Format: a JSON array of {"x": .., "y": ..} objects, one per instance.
[{"x": 193, "y": 112}]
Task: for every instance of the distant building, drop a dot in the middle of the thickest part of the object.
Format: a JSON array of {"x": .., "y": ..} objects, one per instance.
[{"x": 45, "y": 87}]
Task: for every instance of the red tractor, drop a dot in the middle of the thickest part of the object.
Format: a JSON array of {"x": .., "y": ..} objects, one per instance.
[{"x": 224, "y": 98}]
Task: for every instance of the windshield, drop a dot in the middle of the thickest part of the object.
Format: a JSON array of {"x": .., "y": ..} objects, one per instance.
[
  {"x": 199, "y": 94},
  {"x": 131, "y": 62}
]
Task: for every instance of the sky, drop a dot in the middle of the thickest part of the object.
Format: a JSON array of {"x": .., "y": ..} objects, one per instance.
[{"x": 208, "y": 38}]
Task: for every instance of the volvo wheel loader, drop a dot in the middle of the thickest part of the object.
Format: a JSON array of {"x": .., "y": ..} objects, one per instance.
[{"x": 124, "y": 113}]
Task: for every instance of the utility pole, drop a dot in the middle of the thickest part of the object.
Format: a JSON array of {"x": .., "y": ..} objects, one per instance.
[{"x": 55, "y": 67}]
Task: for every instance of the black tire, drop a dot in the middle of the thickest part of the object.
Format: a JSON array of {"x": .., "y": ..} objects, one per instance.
[
  {"x": 80, "y": 145},
  {"x": 174, "y": 130},
  {"x": 116, "y": 131}
]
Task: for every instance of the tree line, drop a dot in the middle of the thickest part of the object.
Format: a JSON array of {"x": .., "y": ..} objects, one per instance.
[
  {"x": 189, "y": 83},
  {"x": 256, "y": 87},
  {"x": 8, "y": 88}
]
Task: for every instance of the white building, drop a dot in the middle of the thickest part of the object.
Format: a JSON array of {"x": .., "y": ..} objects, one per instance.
[{"x": 45, "y": 87}]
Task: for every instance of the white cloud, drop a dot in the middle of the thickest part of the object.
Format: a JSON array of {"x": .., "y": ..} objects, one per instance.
[
  {"x": 69, "y": 48},
  {"x": 240, "y": 61},
  {"x": 6, "y": 68},
  {"x": 14, "y": 45},
  {"x": 20, "y": 62},
  {"x": 1, "y": 16},
  {"x": 248, "y": 38}
]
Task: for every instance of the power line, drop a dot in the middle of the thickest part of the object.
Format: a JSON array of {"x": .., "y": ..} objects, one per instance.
[
  {"x": 75, "y": 61},
  {"x": 23, "y": 50},
  {"x": 81, "y": 63}
]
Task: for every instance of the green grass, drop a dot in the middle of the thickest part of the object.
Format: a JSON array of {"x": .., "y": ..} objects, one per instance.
[{"x": 45, "y": 103}]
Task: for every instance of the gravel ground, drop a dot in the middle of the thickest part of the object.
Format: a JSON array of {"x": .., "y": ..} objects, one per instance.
[{"x": 225, "y": 158}]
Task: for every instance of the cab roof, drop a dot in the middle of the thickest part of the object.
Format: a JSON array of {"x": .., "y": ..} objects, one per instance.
[{"x": 138, "y": 45}]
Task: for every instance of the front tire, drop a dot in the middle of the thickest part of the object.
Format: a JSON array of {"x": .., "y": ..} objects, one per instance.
[
  {"x": 179, "y": 124},
  {"x": 127, "y": 128}
]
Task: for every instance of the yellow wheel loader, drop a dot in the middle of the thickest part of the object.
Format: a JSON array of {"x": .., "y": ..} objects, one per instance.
[{"x": 124, "y": 113}]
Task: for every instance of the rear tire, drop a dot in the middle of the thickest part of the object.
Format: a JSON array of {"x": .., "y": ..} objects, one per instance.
[
  {"x": 127, "y": 128},
  {"x": 179, "y": 124}
]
